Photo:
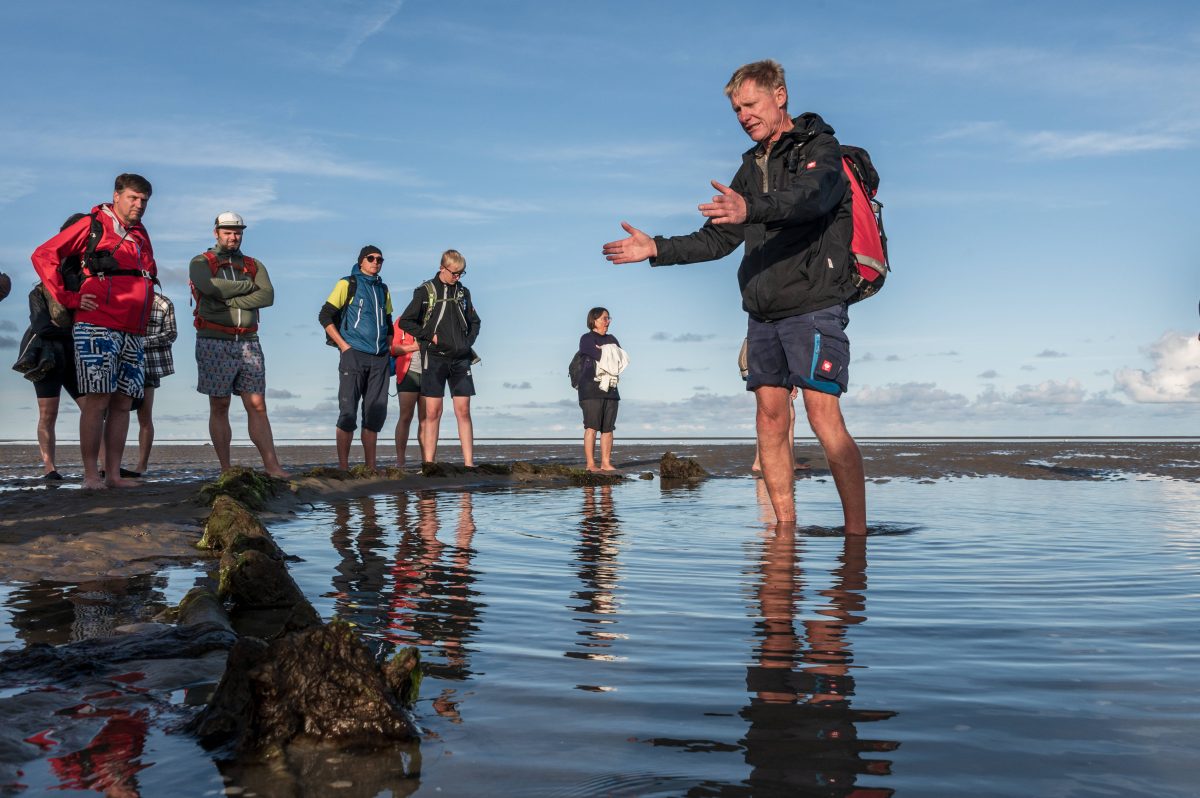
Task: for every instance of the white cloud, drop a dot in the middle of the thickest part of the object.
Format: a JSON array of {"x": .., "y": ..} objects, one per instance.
[
  {"x": 1050, "y": 392},
  {"x": 16, "y": 182},
  {"x": 363, "y": 28},
  {"x": 185, "y": 144},
  {"x": 175, "y": 217},
  {"x": 1175, "y": 376},
  {"x": 1054, "y": 144}
]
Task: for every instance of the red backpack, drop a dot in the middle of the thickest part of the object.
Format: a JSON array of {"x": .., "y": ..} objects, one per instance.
[
  {"x": 869, "y": 243},
  {"x": 249, "y": 267}
]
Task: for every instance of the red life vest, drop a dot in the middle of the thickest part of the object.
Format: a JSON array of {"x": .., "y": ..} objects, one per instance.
[{"x": 249, "y": 268}]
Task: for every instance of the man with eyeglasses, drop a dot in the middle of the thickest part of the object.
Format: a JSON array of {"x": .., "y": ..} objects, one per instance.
[
  {"x": 230, "y": 289},
  {"x": 442, "y": 317},
  {"x": 357, "y": 318}
]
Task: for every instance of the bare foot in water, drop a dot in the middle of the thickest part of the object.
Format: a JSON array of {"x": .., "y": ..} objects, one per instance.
[
  {"x": 608, "y": 467},
  {"x": 121, "y": 482},
  {"x": 279, "y": 474},
  {"x": 94, "y": 484}
]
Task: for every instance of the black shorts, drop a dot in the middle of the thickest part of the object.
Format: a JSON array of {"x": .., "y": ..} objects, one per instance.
[
  {"x": 808, "y": 351},
  {"x": 599, "y": 414},
  {"x": 411, "y": 382},
  {"x": 437, "y": 372},
  {"x": 63, "y": 376}
]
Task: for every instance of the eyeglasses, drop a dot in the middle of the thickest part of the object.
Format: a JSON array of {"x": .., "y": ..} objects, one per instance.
[
  {"x": 375, "y": 259},
  {"x": 453, "y": 273}
]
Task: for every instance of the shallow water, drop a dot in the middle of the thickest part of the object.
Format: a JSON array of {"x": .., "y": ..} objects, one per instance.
[{"x": 999, "y": 637}]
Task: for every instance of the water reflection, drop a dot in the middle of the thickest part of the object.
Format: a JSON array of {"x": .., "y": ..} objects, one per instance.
[
  {"x": 111, "y": 761},
  {"x": 803, "y": 734},
  {"x": 56, "y": 613},
  {"x": 421, "y": 593},
  {"x": 598, "y": 569}
]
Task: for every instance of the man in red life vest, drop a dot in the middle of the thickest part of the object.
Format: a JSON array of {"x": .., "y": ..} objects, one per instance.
[
  {"x": 112, "y": 308},
  {"x": 229, "y": 289}
]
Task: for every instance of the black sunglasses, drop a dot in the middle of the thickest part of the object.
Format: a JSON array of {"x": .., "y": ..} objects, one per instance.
[{"x": 375, "y": 259}]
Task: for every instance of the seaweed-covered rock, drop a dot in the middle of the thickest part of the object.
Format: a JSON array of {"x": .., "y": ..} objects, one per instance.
[
  {"x": 321, "y": 684},
  {"x": 647, "y": 475},
  {"x": 232, "y": 527},
  {"x": 255, "y": 580},
  {"x": 573, "y": 474},
  {"x": 672, "y": 467},
  {"x": 202, "y": 605},
  {"x": 248, "y": 486},
  {"x": 326, "y": 472}
]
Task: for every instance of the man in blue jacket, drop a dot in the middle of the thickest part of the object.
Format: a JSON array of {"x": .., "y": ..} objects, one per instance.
[
  {"x": 357, "y": 317},
  {"x": 789, "y": 204}
]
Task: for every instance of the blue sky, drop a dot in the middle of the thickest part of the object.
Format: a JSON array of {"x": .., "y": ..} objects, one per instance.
[{"x": 1038, "y": 164}]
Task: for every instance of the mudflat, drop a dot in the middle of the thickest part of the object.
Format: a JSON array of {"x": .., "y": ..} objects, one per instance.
[{"x": 55, "y": 530}]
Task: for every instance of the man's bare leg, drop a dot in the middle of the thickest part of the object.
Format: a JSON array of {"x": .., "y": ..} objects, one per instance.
[
  {"x": 370, "y": 441},
  {"x": 775, "y": 450},
  {"x": 116, "y": 428},
  {"x": 145, "y": 416},
  {"x": 606, "y": 444},
  {"x": 218, "y": 428},
  {"x": 589, "y": 448},
  {"x": 345, "y": 438},
  {"x": 845, "y": 461},
  {"x": 91, "y": 435},
  {"x": 259, "y": 427},
  {"x": 47, "y": 418},
  {"x": 466, "y": 430},
  {"x": 430, "y": 427}
]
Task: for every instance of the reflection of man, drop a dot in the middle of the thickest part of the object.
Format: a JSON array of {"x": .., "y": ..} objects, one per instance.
[
  {"x": 112, "y": 307},
  {"x": 789, "y": 204},
  {"x": 803, "y": 733},
  {"x": 231, "y": 288}
]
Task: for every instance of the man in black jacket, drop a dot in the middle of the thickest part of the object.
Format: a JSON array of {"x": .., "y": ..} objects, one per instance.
[
  {"x": 442, "y": 317},
  {"x": 789, "y": 204}
]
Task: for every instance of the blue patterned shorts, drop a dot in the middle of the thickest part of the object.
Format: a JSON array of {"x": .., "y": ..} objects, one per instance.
[
  {"x": 229, "y": 367},
  {"x": 108, "y": 361}
]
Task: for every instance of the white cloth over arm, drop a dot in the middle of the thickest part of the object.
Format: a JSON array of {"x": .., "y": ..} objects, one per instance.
[{"x": 612, "y": 362}]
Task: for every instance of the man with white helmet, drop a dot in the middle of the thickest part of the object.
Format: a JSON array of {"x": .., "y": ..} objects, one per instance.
[{"x": 229, "y": 289}]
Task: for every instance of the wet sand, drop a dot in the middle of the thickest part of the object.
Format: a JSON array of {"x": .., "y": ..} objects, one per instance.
[{"x": 57, "y": 531}]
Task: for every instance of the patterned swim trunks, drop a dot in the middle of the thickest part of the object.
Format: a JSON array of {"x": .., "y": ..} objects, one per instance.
[
  {"x": 108, "y": 361},
  {"x": 229, "y": 367}
]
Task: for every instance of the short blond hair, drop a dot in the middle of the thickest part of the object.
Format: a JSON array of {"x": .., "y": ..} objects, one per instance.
[
  {"x": 453, "y": 256},
  {"x": 767, "y": 75}
]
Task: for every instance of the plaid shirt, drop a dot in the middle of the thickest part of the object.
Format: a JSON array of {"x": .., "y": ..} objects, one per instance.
[{"x": 160, "y": 334}]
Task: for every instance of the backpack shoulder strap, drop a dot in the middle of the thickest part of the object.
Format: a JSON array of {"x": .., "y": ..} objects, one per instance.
[
  {"x": 95, "y": 233},
  {"x": 213, "y": 264},
  {"x": 351, "y": 287},
  {"x": 430, "y": 301},
  {"x": 250, "y": 266}
]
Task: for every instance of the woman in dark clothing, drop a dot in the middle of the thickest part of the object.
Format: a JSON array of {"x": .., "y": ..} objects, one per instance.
[{"x": 598, "y": 404}]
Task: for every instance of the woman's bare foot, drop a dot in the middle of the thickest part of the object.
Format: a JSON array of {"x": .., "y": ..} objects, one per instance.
[
  {"x": 121, "y": 482},
  {"x": 279, "y": 473},
  {"x": 94, "y": 484}
]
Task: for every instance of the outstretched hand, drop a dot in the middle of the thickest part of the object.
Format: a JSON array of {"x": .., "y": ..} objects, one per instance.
[
  {"x": 638, "y": 246},
  {"x": 728, "y": 207}
]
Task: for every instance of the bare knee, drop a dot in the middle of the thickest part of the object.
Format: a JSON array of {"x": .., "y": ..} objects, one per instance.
[{"x": 218, "y": 406}]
